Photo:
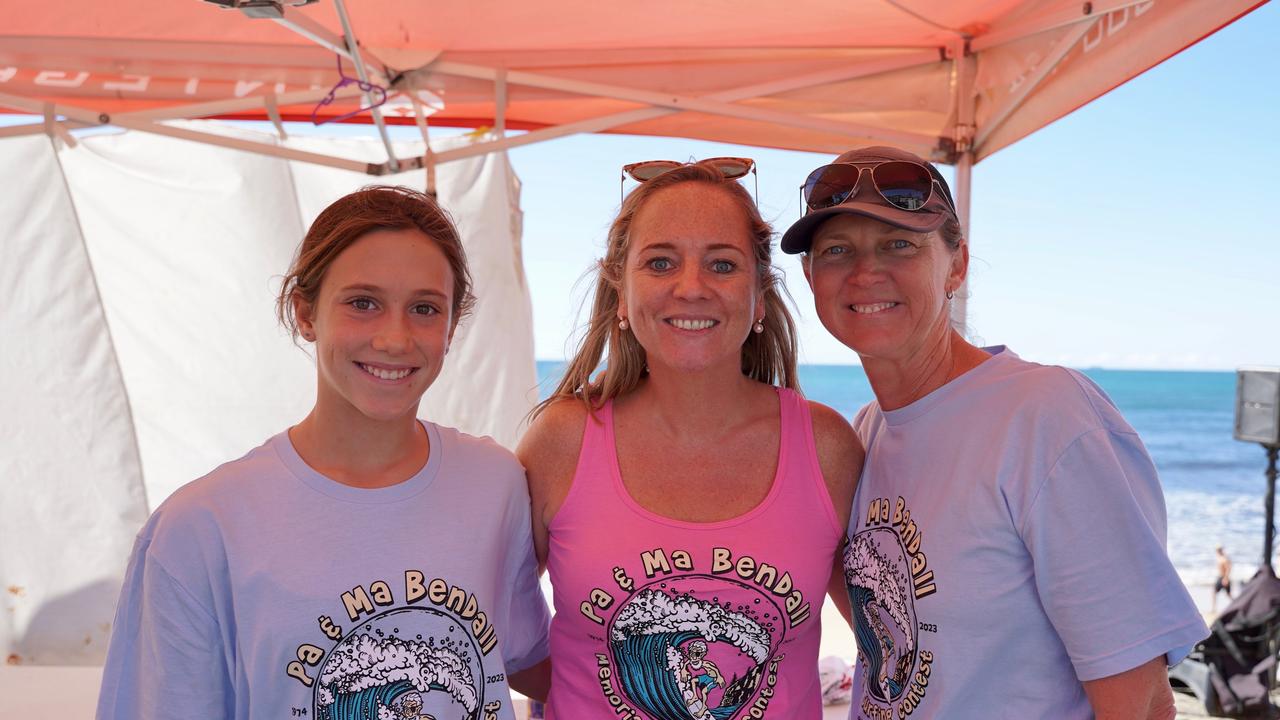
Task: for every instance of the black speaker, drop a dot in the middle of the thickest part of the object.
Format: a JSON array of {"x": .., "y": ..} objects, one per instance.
[{"x": 1258, "y": 405}]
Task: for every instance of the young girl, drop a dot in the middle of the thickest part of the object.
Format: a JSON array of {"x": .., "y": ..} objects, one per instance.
[{"x": 363, "y": 563}]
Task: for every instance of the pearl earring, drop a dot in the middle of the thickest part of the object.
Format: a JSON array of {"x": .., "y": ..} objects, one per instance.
[
  {"x": 759, "y": 327},
  {"x": 623, "y": 324}
]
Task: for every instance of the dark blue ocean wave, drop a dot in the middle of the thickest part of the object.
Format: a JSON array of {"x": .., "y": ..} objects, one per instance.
[
  {"x": 363, "y": 705},
  {"x": 642, "y": 670},
  {"x": 641, "y": 667},
  {"x": 868, "y": 643}
]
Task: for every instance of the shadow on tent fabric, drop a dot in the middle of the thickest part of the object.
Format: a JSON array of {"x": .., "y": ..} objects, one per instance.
[
  {"x": 1233, "y": 670},
  {"x": 69, "y": 629}
]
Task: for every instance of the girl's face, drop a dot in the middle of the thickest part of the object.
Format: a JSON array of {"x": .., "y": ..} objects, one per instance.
[
  {"x": 690, "y": 289},
  {"x": 381, "y": 324}
]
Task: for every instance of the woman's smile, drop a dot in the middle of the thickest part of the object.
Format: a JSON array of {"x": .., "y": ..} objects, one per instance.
[
  {"x": 873, "y": 308},
  {"x": 692, "y": 324}
]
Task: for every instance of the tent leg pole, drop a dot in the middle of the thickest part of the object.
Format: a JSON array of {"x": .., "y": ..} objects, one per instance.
[
  {"x": 964, "y": 77},
  {"x": 428, "y": 157},
  {"x": 964, "y": 183},
  {"x": 500, "y": 103},
  {"x": 1269, "y": 536}
]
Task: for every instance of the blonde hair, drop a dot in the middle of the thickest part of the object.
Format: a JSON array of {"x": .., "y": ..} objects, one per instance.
[{"x": 768, "y": 356}]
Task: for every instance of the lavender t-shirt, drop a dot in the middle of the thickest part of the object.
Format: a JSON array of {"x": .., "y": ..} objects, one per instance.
[
  {"x": 267, "y": 590},
  {"x": 1007, "y": 543}
]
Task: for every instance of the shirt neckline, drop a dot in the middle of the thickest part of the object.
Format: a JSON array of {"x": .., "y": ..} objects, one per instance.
[
  {"x": 408, "y": 488},
  {"x": 999, "y": 354}
]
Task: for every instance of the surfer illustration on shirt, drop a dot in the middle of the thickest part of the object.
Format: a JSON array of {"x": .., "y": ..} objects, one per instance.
[
  {"x": 410, "y": 708},
  {"x": 698, "y": 672}
]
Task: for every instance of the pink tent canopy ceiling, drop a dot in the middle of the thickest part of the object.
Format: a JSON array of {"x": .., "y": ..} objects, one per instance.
[{"x": 935, "y": 76}]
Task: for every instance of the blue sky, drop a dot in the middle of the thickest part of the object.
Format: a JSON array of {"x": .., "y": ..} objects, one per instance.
[{"x": 1138, "y": 232}]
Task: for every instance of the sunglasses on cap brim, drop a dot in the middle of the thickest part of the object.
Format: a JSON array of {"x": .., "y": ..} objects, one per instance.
[
  {"x": 732, "y": 168},
  {"x": 903, "y": 184}
]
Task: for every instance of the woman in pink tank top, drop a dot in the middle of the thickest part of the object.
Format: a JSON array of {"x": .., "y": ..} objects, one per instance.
[{"x": 688, "y": 502}]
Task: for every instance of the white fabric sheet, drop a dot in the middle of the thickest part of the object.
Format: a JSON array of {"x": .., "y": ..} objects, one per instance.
[
  {"x": 186, "y": 246},
  {"x": 71, "y": 493}
]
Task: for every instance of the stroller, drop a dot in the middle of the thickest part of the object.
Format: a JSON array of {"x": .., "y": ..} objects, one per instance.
[{"x": 1233, "y": 670}]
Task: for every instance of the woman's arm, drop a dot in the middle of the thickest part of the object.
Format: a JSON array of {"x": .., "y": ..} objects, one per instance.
[
  {"x": 1095, "y": 531},
  {"x": 1142, "y": 693},
  {"x": 534, "y": 682},
  {"x": 840, "y": 455},
  {"x": 549, "y": 452}
]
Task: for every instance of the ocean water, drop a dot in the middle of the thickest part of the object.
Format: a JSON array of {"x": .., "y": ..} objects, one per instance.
[{"x": 1213, "y": 484}]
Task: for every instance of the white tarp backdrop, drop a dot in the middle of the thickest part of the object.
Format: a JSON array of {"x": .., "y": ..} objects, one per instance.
[{"x": 140, "y": 346}]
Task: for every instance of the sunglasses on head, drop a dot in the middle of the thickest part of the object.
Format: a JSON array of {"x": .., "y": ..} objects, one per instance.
[
  {"x": 732, "y": 168},
  {"x": 903, "y": 184}
]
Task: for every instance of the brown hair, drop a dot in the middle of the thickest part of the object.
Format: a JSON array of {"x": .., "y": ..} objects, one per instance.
[
  {"x": 351, "y": 217},
  {"x": 769, "y": 356},
  {"x": 951, "y": 233}
]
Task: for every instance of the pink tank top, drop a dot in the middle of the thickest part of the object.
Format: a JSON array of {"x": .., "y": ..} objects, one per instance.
[{"x": 661, "y": 619}]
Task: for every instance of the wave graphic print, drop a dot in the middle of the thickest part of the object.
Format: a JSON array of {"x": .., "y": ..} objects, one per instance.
[
  {"x": 876, "y": 571},
  {"x": 381, "y": 671},
  {"x": 682, "y": 654}
]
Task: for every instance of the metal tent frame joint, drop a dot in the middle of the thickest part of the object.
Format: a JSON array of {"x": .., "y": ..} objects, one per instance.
[{"x": 269, "y": 9}]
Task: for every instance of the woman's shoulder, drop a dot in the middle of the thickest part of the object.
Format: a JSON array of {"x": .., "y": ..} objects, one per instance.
[
  {"x": 825, "y": 414},
  {"x": 840, "y": 452},
  {"x": 557, "y": 428},
  {"x": 829, "y": 425},
  {"x": 1063, "y": 393},
  {"x": 549, "y": 449}
]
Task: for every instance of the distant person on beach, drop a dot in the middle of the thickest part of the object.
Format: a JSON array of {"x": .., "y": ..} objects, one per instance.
[
  {"x": 685, "y": 495},
  {"x": 362, "y": 563},
  {"x": 1222, "y": 583},
  {"x": 1005, "y": 555}
]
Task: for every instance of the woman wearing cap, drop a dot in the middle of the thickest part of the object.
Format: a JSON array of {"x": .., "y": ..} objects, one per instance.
[
  {"x": 681, "y": 498},
  {"x": 1006, "y": 551}
]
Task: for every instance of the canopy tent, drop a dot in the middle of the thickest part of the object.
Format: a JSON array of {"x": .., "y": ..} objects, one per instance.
[
  {"x": 942, "y": 78},
  {"x": 954, "y": 81}
]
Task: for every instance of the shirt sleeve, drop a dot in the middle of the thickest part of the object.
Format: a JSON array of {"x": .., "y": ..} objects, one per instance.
[
  {"x": 527, "y": 621},
  {"x": 1096, "y": 535},
  {"x": 166, "y": 658}
]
